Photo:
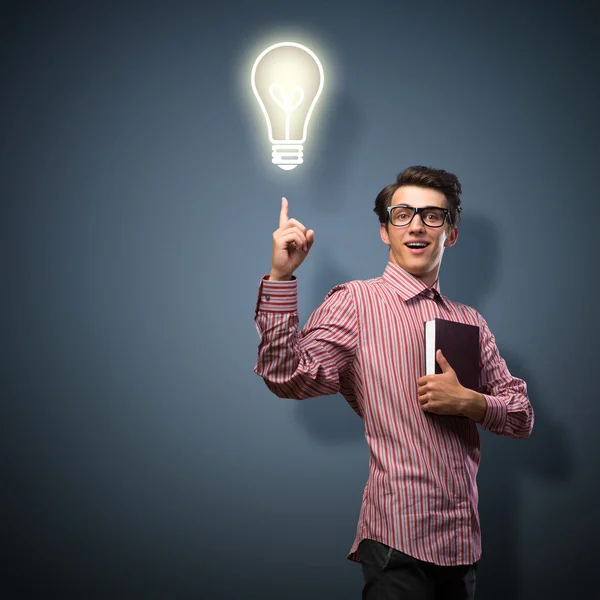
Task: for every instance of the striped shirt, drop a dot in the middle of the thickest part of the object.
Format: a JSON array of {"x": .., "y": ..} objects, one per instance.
[{"x": 366, "y": 341}]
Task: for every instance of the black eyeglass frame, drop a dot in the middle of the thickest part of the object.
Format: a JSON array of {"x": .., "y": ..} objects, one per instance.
[{"x": 419, "y": 211}]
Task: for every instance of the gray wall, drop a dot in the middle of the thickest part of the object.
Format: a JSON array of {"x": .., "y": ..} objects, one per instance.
[{"x": 140, "y": 456}]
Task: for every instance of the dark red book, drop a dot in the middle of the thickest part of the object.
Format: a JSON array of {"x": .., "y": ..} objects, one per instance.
[{"x": 459, "y": 343}]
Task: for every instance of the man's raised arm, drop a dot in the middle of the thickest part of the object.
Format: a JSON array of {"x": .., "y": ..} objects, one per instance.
[{"x": 308, "y": 363}]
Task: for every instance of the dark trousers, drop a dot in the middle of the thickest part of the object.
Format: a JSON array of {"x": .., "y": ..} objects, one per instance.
[{"x": 392, "y": 575}]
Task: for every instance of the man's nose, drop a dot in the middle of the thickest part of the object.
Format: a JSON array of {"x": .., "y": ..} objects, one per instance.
[{"x": 417, "y": 223}]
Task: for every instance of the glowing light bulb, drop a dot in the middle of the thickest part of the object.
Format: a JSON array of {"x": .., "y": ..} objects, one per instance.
[{"x": 287, "y": 79}]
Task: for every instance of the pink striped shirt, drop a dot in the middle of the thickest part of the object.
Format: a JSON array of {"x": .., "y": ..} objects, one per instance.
[{"x": 366, "y": 341}]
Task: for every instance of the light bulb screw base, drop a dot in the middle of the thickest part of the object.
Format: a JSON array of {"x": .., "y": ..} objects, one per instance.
[{"x": 287, "y": 156}]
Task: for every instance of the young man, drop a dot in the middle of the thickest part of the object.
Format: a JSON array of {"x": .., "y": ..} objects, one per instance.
[{"x": 418, "y": 535}]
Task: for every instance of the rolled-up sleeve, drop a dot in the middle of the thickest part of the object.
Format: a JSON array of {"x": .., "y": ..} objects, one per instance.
[
  {"x": 311, "y": 362},
  {"x": 509, "y": 411}
]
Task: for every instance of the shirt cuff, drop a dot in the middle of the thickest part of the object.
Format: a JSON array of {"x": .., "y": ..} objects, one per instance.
[
  {"x": 277, "y": 296},
  {"x": 495, "y": 415}
]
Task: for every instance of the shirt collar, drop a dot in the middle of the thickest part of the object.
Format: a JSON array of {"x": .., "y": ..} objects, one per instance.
[{"x": 406, "y": 285}]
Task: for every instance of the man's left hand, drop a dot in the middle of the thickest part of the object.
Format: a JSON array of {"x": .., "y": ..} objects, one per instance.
[{"x": 442, "y": 393}]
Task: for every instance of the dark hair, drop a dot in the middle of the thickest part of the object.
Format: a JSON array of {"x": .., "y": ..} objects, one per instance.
[{"x": 424, "y": 177}]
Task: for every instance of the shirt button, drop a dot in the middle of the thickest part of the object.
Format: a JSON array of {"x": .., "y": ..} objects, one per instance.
[{"x": 267, "y": 298}]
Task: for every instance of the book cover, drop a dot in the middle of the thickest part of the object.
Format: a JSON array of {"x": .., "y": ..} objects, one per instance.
[{"x": 459, "y": 343}]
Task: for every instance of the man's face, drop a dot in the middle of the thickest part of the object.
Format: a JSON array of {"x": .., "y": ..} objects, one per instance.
[{"x": 423, "y": 263}]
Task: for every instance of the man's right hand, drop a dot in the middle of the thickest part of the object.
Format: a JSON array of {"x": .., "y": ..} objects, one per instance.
[{"x": 291, "y": 244}]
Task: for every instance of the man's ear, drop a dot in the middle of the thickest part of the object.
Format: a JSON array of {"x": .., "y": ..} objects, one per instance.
[
  {"x": 452, "y": 237},
  {"x": 384, "y": 234}
]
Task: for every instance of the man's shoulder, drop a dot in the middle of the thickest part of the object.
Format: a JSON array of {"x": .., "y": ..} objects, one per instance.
[{"x": 359, "y": 291}]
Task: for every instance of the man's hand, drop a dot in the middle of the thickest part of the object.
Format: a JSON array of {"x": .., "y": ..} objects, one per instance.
[
  {"x": 291, "y": 244},
  {"x": 443, "y": 394}
]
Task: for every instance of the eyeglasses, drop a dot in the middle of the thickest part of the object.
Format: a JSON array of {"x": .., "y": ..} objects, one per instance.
[{"x": 432, "y": 216}]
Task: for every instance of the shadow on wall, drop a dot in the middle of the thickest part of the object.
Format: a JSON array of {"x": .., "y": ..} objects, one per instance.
[
  {"x": 468, "y": 275},
  {"x": 469, "y": 271},
  {"x": 470, "y": 268},
  {"x": 504, "y": 463}
]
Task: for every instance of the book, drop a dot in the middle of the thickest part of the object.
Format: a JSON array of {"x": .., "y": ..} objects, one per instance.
[{"x": 459, "y": 343}]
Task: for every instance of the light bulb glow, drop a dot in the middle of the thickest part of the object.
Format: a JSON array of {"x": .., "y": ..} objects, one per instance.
[{"x": 287, "y": 79}]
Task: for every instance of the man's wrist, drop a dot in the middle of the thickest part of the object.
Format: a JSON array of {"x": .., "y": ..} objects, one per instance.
[
  {"x": 475, "y": 406},
  {"x": 276, "y": 277}
]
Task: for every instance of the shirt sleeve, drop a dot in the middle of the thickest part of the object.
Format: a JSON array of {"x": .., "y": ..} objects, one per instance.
[
  {"x": 509, "y": 411},
  {"x": 311, "y": 362}
]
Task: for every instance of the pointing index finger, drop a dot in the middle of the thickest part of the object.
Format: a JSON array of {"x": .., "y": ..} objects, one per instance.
[{"x": 283, "y": 216}]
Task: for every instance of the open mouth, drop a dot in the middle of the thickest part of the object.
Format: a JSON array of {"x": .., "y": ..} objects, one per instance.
[{"x": 417, "y": 247}]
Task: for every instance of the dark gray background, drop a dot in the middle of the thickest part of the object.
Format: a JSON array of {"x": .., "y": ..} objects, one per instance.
[{"x": 140, "y": 456}]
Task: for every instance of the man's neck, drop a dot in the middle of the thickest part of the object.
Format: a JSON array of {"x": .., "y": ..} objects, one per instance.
[{"x": 427, "y": 278}]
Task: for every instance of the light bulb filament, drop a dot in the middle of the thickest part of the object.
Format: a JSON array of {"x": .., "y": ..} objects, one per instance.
[{"x": 287, "y": 103}]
